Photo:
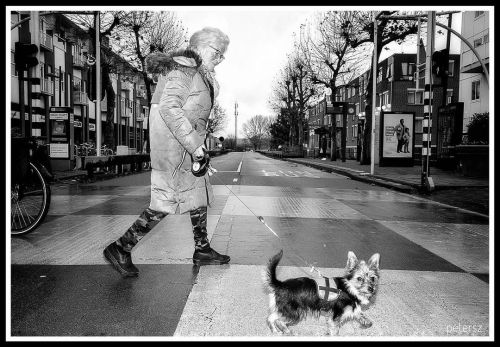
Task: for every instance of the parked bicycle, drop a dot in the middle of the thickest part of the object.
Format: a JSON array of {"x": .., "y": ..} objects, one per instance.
[{"x": 30, "y": 185}]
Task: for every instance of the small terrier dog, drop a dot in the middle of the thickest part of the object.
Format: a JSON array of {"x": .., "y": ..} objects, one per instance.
[{"x": 290, "y": 301}]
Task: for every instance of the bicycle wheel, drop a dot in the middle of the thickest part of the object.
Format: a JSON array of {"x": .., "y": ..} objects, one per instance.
[{"x": 30, "y": 201}]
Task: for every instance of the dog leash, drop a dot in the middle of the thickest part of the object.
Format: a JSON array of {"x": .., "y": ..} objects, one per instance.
[{"x": 262, "y": 220}]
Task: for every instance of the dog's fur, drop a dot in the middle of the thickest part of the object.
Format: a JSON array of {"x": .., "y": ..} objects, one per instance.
[{"x": 290, "y": 301}]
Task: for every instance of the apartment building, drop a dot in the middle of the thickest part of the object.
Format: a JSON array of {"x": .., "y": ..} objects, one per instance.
[
  {"x": 474, "y": 88},
  {"x": 62, "y": 79},
  {"x": 397, "y": 90}
]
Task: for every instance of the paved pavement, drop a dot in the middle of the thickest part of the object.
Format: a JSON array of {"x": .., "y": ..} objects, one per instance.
[{"x": 434, "y": 258}]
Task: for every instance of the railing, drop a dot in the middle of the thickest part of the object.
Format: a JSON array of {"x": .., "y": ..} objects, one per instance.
[
  {"x": 47, "y": 86},
  {"x": 46, "y": 41},
  {"x": 79, "y": 97}
]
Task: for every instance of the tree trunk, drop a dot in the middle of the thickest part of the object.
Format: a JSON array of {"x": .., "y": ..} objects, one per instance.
[
  {"x": 366, "y": 144},
  {"x": 109, "y": 138}
]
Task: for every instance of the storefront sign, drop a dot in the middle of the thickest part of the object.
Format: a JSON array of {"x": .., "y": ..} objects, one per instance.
[
  {"x": 59, "y": 150},
  {"x": 91, "y": 126},
  {"x": 77, "y": 124}
]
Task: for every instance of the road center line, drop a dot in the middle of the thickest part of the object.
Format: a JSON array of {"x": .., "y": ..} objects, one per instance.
[{"x": 239, "y": 166}]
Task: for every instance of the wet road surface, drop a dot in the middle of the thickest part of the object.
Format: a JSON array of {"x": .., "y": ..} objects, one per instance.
[{"x": 432, "y": 257}]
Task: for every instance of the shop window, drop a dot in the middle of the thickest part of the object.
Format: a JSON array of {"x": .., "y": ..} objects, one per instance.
[{"x": 478, "y": 42}]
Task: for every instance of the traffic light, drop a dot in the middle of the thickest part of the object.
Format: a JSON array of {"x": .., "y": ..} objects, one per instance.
[
  {"x": 440, "y": 64},
  {"x": 25, "y": 55}
]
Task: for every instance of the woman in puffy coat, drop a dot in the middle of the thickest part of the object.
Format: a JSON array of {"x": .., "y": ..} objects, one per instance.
[{"x": 180, "y": 109}]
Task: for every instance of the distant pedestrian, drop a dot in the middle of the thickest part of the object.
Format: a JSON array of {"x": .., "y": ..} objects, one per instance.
[
  {"x": 406, "y": 140},
  {"x": 399, "y": 131},
  {"x": 180, "y": 109}
]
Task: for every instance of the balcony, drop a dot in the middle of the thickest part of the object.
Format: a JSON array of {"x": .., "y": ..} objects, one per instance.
[
  {"x": 46, "y": 86},
  {"x": 79, "y": 97},
  {"x": 78, "y": 61},
  {"x": 46, "y": 41}
]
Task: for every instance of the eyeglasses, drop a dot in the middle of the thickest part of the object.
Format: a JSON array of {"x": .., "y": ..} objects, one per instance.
[{"x": 219, "y": 53}]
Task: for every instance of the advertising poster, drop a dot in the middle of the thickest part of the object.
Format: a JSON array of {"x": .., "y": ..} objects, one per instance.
[{"x": 397, "y": 135}]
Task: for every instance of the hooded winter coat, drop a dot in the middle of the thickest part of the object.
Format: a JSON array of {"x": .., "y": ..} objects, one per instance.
[{"x": 177, "y": 128}]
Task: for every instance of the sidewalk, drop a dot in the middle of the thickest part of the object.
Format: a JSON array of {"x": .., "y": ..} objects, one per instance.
[{"x": 405, "y": 179}]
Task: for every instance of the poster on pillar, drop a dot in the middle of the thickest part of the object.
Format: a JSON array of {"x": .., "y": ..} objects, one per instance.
[{"x": 397, "y": 138}]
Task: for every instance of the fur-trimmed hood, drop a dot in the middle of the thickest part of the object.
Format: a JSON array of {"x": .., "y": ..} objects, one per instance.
[{"x": 160, "y": 63}]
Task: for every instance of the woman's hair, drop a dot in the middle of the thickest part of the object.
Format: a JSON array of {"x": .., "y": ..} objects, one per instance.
[{"x": 209, "y": 36}]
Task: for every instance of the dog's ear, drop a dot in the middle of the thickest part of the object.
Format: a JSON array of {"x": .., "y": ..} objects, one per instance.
[
  {"x": 352, "y": 261},
  {"x": 373, "y": 263}
]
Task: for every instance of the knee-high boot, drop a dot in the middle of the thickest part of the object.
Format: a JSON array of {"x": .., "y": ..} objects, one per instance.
[
  {"x": 203, "y": 253},
  {"x": 118, "y": 252}
]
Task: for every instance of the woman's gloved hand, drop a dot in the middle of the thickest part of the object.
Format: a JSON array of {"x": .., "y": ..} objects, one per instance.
[{"x": 199, "y": 153}]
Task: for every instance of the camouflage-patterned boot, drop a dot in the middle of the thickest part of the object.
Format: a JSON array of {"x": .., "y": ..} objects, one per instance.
[
  {"x": 118, "y": 252},
  {"x": 203, "y": 253}
]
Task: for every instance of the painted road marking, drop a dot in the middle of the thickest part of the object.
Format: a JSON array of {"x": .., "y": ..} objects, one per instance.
[
  {"x": 235, "y": 180},
  {"x": 239, "y": 167},
  {"x": 289, "y": 174}
]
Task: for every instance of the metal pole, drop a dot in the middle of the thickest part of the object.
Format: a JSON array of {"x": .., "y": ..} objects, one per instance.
[
  {"x": 418, "y": 57},
  {"x": 235, "y": 124},
  {"x": 426, "y": 180},
  {"x": 98, "y": 123},
  {"x": 374, "y": 95}
]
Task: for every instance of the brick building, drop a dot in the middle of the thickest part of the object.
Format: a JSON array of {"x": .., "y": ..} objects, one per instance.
[{"x": 397, "y": 90}]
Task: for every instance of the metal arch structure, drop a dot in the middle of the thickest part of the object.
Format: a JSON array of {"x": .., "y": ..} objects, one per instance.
[{"x": 423, "y": 17}]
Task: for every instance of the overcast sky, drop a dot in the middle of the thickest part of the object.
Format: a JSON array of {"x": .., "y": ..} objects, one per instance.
[{"x": 260, "y": 39}]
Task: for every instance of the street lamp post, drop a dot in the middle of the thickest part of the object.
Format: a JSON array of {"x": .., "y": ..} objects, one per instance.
[{"x": 235, "y": 124}]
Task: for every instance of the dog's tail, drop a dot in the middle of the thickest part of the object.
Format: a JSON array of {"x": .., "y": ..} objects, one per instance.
[{"x": 270, "y": 276}]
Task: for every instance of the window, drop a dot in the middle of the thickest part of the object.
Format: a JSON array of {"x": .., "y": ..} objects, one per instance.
[
  {"x": 389, "y": 71},
  {"x": 478, "y": 42},
  {"x": 13, "y": 70},
  {"x": 379, "y": 75},
  {"x": 62, "y": 78},
  {"x": 411, "y": 69},
  {"x": 451, "y": 67},
  {"x": 486, "y": 38},
  {"x": 449, "y": 96},
  {"x": 356, "y": 107},
  {"x": 348, "y": 93},
  {"x": 407, "y": 69},
  {"x": 415, "y": 96},
  {"x": 478, "y": 13},
  {"x": 475, "y": 90},
  {"x": 384, "y": 98}
]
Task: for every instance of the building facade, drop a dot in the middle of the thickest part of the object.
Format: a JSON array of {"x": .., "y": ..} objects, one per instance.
[
  {"x": 474, "y": 89},
  {"x": 63, "y": 78},
  {"x": 399, "y": 90}
]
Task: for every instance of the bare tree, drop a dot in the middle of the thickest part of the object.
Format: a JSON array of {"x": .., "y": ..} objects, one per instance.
[
  {"x": 327, "y": 53},
  {"x": 256, "y": 129},
  {"x": 218, "y": 119},
  {"x": 109, "y": 21},
  {"x": 145, "y": 32}
]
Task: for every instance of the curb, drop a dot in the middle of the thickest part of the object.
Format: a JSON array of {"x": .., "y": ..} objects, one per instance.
[{"x": 377, "y": 180}]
